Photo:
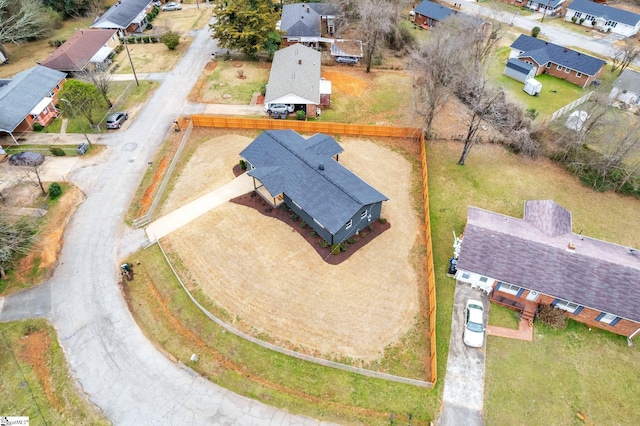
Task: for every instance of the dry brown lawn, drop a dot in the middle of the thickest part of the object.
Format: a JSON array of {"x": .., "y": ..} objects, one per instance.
[{"x": 272, "y": 282}]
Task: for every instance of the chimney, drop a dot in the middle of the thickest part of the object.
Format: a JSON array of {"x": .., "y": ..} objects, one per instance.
[{"x": 299, "y": 61}]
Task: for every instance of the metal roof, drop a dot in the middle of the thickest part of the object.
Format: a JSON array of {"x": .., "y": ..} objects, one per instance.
[
  {"x": 295, "y": 72},
  {"x": 542, "y": 52},
  {"x": 304, "y": 170},
  {"x": 24, "y": 92},
  {"x": 608, "y": 13},
  {"x": 519, "y": 66},
  {"x": 533, "y": 253}
]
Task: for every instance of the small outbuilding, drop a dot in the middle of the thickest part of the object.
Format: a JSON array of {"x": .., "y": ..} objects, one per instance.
[
  {"x": 532, "y": 86},
  {"x": 519, "y": 70}
]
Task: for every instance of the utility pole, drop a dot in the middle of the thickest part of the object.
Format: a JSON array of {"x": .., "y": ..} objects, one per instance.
[
  {"x": 545, "y": 11},
  {"x": 73, "y": 111},
  {"x": 126, "y": 46}
]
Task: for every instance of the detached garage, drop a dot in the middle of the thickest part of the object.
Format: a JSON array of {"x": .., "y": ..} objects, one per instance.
[{"x": 519, "y": 70}]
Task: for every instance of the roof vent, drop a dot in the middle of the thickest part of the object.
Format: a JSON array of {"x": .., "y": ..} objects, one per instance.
[
  {"x": 299, "y": 61},
  {"x": 308, "y": 10},
  {"x": 571, "y": 247},
  {"x": 321, "y": 166}
]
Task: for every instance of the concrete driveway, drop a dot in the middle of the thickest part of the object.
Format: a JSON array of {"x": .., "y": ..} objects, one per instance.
[{"x": 464, "y": 381}]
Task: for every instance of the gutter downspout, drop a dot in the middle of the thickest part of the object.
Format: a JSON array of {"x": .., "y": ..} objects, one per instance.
[{"x": 631, "y": 336}]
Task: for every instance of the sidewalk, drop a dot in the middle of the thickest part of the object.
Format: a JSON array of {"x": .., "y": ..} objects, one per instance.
[
  {"x": 524, "y": 331},
  {"x": 193, "y": 210}
]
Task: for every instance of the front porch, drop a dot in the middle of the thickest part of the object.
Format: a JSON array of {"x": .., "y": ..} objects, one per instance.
[{"x": 527, "y": 308}]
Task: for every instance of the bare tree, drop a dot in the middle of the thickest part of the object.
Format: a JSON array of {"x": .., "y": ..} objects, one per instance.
[
  {"x": 620, "y": 146},
  {"x": 32, "y": 173},
  {"x": 102, "y": 80},
  {"x": 376, "y": 18},
  {"x": 15, "y": 237},
  {"x": 21, "y": 21},
  {"x": 623, "y": 56}
]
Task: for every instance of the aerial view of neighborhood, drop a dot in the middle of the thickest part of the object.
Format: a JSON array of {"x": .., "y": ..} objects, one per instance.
[{"x": 336, "y": 212}]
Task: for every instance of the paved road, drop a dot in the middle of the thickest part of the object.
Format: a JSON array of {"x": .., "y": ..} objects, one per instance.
[
  {"x": 463, "y": 396},
  {"x": 115, "y": 364}
]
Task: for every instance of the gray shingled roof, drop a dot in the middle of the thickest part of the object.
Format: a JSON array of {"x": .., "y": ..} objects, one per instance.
[
  {"x": 519, "y": 66},
  {"x": 300, "y": 20},
  {"x": 75, "y": 53},
  {"x": 440, "y": 13},
  {"x": 121, "y": 14},
  {"x": 285, "y": 162},
  {"x": 532, "y": 253},
  {"x": 543, "y": 51},
  {"x": 295, "y": 71},
  {"x": 629, "y": 80},
  {"x": 24, "y": 92},
  {"x": 604, "y": 11}
]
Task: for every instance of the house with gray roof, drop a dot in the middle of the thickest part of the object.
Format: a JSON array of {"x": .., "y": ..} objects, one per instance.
[
  {"x": 85, "y": 51},
  {"x": 626, "y": 88},
  {"x": 603, "y": 17},
  {"x": 539, "y": 260},
  {"x": 306, "y": 176},
  {"x": 28, "y": 98},
  {"x": 428, "y": 14},
  {"x": 546, "y": 7},
  {"x": 307, "y": 23},
  {"x": 295, "y": 80},
  {"x": 548, "y": 58},
  {"x": 519, "y": 70},
  {"x": 127, "y": 16}
]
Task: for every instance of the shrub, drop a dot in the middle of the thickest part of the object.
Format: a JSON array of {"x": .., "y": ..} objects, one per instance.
[
  {"x": 149, "y": 26},
  {"x": 574, "y": 19},
  {"x": 243, "y": 165},
  {"x": 335, "y": 249},
  {"x": 535, "y": 31},
  {"x": 383, "y": 220},
  {"x": 55, "y": 190},
  {"x": 37, "y": 127},
  {"x": 552, "y": 317},
  {"x": 171, "y": 39},
  {"x": 593, "y": 23},
  {"x": 363, "y": 234},
  {"x": 303, "y": 224},
  {"x": 371, "y": 227},
  {"x": 58, "y": 152},
  {"x": 300, "y": 115},
  {"x": 313, "y": 234},
  {"x": 324, "y": 244},
  {"x": 581, "y": 21},
  {"x": 343, "y": 246},
  {"x": 352, "y": 240},
  {"x": 294, "y": 217},
  {"x": 532, "y": 113}
]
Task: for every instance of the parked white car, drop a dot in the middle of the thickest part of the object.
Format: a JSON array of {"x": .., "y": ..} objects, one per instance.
[
  {"x": 171, "y": 6},
  {"x": 473, "y": 324}
]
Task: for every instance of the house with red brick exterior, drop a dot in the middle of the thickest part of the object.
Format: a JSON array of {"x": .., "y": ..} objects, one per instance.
[
  {"x": 85, "y": 51},
  {"x": 548, "y": 58},
  {"x": 538, "y": 260},
  {"x": 428, "y": 14}
]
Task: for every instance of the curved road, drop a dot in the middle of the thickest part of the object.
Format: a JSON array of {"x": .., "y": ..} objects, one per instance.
[{"x": 115, "y": 364}]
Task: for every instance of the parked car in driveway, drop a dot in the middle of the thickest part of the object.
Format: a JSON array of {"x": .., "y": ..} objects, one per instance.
[
  {"x": 115, "y": 120},
  {"x": 351, "y": 60},
  {"x": 473, "y": 324},
  {"x": 26, "y": 158},
  {"x": 171, "y": 6},
  {"x": 278, "y": 108}
]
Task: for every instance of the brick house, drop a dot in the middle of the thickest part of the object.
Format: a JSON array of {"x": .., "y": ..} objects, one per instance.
[
  {"x": 603, "y": 17},
  {"x": 28, "y": 98},
  {"x": 305, "y": 175},
  {"x": 85, "y": 51},
  {"x": 524, "y": 263},
  {"x": 548, "y": 58},
  {"x": 428, "y": 14}
]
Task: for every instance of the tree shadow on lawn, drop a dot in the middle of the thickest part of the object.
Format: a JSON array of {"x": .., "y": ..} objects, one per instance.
[{"x": 283, "y": 213}]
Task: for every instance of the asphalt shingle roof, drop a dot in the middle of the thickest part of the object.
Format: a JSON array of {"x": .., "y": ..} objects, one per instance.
[
  {"x": 606, "y": 12},
  {"x": 121, "y": 14},
  {"x": 300, "y": 20},
  {"x": 304, "y": 170},
  {"x": 629, "y": 80},
  {"x": 519, "y": 66},
  {"x": 543, "y": 51},
  {"x": 75, "y": 53},
  {"x": 440, "y": 13},
  {"x": 295, "y": 70},
  {"x": 24, "y": 92},
  {"x": 533, "y": 254}
]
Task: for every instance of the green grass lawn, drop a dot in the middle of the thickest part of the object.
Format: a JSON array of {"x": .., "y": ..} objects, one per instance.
[
  {"x": 35, "y": 380},
  {"x": 502, "y": 316},
  {"x": 555, "y": 93},
  {"x": 549, "y": 378},
  {"x": 225, "y": 86}
]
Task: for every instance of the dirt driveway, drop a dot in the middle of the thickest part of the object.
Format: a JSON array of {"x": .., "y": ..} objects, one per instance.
[{"x": 272, "y": 282}]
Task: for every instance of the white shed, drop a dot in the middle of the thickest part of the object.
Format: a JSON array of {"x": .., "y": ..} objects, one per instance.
[{"x": 532, "y": 87}]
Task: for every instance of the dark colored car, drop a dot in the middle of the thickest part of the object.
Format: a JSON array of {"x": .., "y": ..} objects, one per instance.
[
  {"x": 351, "y": 60},
  {"x": 26, "y": 158},
  {"x": 115, "y": 120}
]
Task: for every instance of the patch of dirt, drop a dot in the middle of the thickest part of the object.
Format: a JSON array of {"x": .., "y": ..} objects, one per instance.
[
  {"x": 33, "y": 349},
  {"x": 49, "y": 241},
  {"x": 273, "y": 282},
  {"x": 347, "y": 82}
]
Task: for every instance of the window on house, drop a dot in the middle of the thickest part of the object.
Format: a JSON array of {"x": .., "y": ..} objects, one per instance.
[
  {"x": 560, "y": 67},
  {"x": 466, "y": 275},
  {"x": 607, "y": 318},
  {"x": 348, "y": 225},
  {"x": 567, "y": 70},
  {"x": 51, "y": 94},
  {"x": 578, "y": 74},
  {"x": 577, "y": 15},
  {"x": 363, "y": 215},
  {"x": 567, "y": 306},
  {"x": 483, "y": 279},
  {"x": 508, "y": 288},
  {"x": 548, "y": 64}
]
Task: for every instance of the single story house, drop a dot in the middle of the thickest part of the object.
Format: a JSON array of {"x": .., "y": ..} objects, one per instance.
[
  {"x": 126, "y": 16},
  {"x": 29, "y": 97},
  {"x": 550, "y": 8},
  {"x": 524, "y": 263},
  {"x": 85, "y": 51},
  {"x": 427, "y": 14},
  {"x": 603, "y": 17},
  {"x": 295, "y": 80},
  {"x": 305, "y": 175},
  {"x": 307, "y": 23},
  {"x": 626, "y": 88},
  {"x": 575, "y": 67},
  {"x": 518, "y": 70},
  {"x": 349, "y": 48}
]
